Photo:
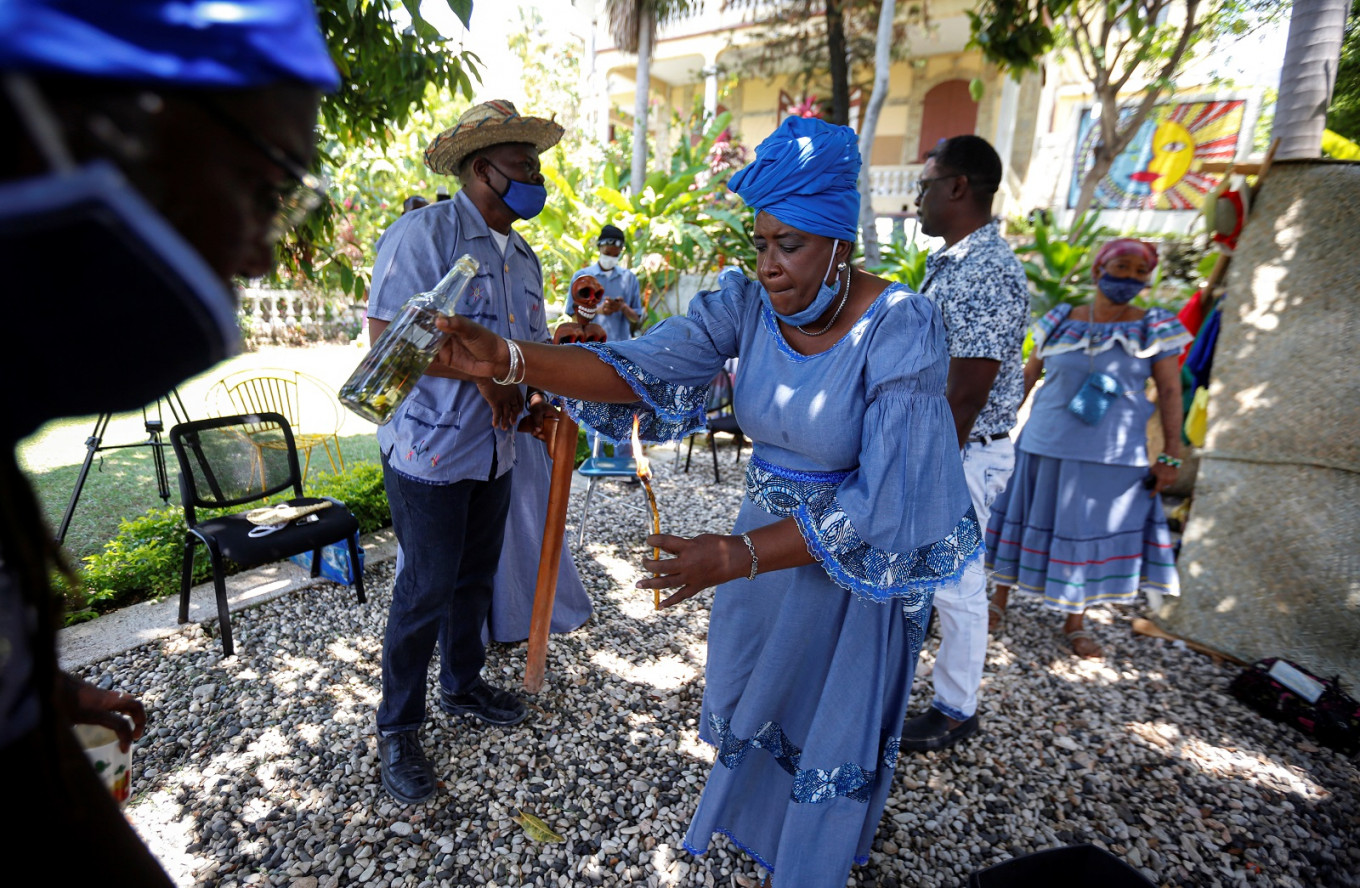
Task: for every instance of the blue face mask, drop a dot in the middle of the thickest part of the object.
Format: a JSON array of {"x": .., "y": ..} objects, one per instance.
[
  {"x": 825, "y": 294},
  {"x": 1119, "y": 290},
  {"x": 524, "y": 199}
]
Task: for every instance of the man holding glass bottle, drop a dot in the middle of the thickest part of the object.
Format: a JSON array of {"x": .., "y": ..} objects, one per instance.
[{"x": 448, "y": 449}]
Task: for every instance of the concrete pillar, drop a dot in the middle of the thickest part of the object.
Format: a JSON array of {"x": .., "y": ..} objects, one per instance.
[{"x": 710, "y": 73}]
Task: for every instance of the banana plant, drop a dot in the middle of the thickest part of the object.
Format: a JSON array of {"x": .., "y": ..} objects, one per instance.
[
  {"x": 1058, "y": 263},
  {"x": 904, "y": 263}
]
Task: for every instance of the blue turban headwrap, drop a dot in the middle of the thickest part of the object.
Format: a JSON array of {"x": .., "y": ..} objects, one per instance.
[
  {"x": 806, "y": 174},
  {"x": 226, "y": 44}
]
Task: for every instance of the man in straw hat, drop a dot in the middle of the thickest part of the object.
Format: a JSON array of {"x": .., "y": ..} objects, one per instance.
[{"x": 448, "y": 450}]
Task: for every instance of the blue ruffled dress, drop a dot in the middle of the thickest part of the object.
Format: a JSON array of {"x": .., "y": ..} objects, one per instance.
[
  {"x": 1075, "y": 525},
  {"x": 809, "y": 669}
]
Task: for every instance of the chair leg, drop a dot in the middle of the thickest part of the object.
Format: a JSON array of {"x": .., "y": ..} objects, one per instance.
[
  {"x": 335, "y": 456},
  {"x": 356, "y": 566},
  {"x": 689, "y": 453},
  {"x": 585, "y": 511},
  {"x": 713, "y": 446},
  {"x": 186, "y": 577},
  {"x": 223, "y": 609},
  {"x": 741, "y": 439},
  {"x": 316, "y": 563}
]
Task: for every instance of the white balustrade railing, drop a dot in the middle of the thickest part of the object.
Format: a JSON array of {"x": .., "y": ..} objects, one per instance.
[
  {"x": 293, "y": 316},
  {"x": 894, "y": 181}
]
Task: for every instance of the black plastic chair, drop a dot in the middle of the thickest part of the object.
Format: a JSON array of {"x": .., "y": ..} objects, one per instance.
[
  {"x": 222, "y": 466},
  {"x": 719, "y": 417}
]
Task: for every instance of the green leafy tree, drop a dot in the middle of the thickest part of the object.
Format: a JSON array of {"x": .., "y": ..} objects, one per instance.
[
  {"x": 1118, "y": 44},
  {"x": 1343, "y": 117},
  {"x": 830, "y": 41},
  {"x": 633, "y": 25},
  {"x": 385, "y": 69}
]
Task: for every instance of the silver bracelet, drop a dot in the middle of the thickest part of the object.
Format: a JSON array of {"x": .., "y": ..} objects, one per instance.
[
  {"x": 755, "y": 562},
  {"x": 516, "y": 366}
]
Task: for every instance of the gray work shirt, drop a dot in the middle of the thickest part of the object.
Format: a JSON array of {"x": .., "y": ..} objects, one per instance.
[{"x": 442, "y": 432}]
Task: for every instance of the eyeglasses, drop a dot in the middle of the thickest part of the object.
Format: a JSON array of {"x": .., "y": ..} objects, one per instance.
[
  {"x": 609, "y": 242},
  {"x": 923, "y": 183},
  {"x": 295, "y": 199}
]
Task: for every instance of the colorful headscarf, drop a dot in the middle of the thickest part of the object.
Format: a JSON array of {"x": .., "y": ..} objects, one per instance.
[
  {"x": 225, "y": 44},
  {"x": 806, "y": 174},
  {"x": 1123, "y": 246}
]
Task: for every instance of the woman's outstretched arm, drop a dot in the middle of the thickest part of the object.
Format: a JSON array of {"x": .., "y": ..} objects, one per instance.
[{"x": 474, "y": 352}]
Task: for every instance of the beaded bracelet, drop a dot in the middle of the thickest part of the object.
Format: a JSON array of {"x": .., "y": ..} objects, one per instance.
[
  {"x": 755, "y": 562},
  {"x": 1167, "y": 459}
]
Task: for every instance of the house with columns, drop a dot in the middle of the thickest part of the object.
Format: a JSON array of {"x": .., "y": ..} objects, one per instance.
[{"x": 1040, "y": 124}]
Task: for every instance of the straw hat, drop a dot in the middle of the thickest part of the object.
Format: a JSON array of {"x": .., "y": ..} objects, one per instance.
[{"x": 481, "y": 126}]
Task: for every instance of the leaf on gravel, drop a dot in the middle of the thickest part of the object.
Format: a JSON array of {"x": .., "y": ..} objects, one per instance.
[{"x": 536, "y": 829}]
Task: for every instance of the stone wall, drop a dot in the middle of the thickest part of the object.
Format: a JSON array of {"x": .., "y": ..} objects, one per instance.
[{"x": 1269, "y": 564}]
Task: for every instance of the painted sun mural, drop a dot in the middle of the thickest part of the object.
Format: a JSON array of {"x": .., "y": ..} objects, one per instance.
[{"x": 1159, "y": 170}]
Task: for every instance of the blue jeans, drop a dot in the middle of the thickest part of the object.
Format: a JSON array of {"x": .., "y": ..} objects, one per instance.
[
  {"x": 450, "y": 539},
  {"x": 962, "y": 609}
]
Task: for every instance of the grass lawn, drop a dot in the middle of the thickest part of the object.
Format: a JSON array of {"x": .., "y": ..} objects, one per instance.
[{"x": 122, "y": 482}]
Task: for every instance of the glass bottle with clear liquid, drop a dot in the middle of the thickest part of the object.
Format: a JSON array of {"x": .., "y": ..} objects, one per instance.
[{"x": 405, "y": 349}]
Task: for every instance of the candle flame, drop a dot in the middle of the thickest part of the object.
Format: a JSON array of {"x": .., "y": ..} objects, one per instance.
[{"x": 644, "y": 469}]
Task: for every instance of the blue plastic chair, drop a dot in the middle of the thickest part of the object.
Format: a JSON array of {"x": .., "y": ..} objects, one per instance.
[{"x": 595, "y": 467}]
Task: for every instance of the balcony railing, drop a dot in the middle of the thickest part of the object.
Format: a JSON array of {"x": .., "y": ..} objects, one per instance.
[
  {"x": 292, "y": 317},
  {"x": 894, "y": 181}
]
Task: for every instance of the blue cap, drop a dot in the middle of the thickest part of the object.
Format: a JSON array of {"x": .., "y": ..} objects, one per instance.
[
  {"x": 806, "y": 174},
  {"x": 222, "y": 44}
]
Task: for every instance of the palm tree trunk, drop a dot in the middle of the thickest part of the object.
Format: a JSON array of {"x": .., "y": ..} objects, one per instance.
[
  {"x": 1311, "y": 56},
  {"x": 646, "y": 36},
  {"x": 882, "y": 64}
]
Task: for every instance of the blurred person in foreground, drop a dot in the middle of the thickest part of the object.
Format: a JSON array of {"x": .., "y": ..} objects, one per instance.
[
  {"x": 154, "y": 152},
  {"x": 856, "y": 508},
  {"x": 1081, "y": 521}
]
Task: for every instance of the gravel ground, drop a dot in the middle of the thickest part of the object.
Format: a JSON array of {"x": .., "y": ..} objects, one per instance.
[{"x": 261, "y": 769}]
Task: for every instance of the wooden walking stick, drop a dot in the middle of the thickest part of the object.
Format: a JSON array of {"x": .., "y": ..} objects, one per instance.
[{"x": 562, "y": 449}]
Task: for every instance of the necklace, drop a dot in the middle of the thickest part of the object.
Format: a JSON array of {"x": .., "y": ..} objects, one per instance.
[{"x": 845, "y": 297}]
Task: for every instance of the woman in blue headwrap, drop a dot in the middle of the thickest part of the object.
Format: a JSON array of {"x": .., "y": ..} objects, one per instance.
[{"x": 856, "y": 508}]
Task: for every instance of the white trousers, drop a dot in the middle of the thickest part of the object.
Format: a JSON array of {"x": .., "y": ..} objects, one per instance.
[{"x": 962, "y": 609}]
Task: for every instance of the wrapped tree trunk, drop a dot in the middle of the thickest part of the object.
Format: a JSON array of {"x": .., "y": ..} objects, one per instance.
[{"x": 1269, "y": 564}]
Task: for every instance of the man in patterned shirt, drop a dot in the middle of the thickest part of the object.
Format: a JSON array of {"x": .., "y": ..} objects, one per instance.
[{"x": 980, "y": 289}]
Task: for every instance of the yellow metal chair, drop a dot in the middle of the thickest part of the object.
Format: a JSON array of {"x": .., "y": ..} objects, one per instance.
[{"x": 307, "y": 403}]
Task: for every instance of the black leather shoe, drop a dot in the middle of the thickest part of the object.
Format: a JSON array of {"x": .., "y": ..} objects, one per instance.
[
  {"x": 930, "y": 730},
  {"x": 492, "y": 705},
  {"x": 406, "y": 773}
]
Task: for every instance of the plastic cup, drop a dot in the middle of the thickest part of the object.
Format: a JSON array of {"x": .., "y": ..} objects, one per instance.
[{"x": 112, "y": 765}]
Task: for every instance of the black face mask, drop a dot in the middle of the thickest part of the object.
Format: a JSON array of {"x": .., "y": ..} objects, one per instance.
[{"x": 107, "y": 306}]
